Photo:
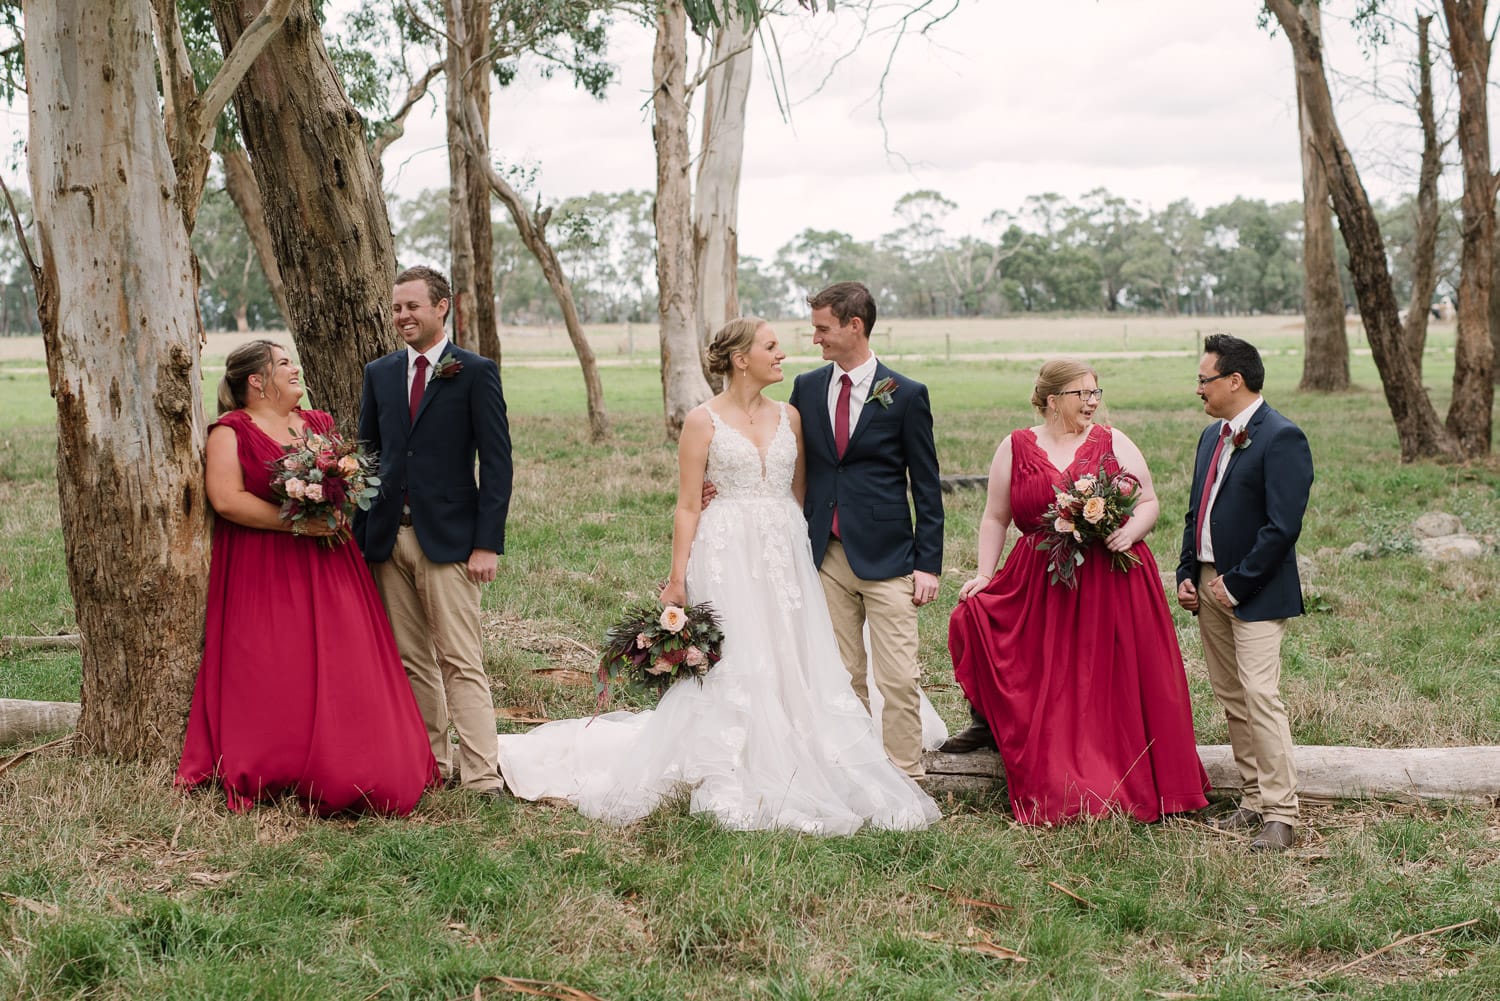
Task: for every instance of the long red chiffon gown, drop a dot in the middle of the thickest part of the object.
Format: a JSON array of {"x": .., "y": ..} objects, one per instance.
[
  {"x": 301, "y": 691},
  {"x": 1084, "y": 688}
]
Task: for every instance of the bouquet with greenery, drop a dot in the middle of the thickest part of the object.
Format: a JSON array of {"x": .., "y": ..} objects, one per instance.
[
  {"x": 1090, "y": 512},
  {"x": 651, "y": 649},
  {"x": 323, "y": 476}
]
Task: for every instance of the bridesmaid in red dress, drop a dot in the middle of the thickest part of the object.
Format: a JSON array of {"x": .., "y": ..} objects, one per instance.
[
  {"x": 301, "y": 690},
  {"x": 1084, "y": 688}
]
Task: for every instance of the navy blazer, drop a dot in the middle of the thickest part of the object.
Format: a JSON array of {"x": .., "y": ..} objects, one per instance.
[
  {"x": 889, "y": 448},
  {"x": 1256, "y": 517},
  {"x": 431, "y": 459}
]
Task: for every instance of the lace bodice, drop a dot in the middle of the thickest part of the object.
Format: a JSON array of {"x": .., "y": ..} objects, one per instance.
[{"x": 736, "y": 466}]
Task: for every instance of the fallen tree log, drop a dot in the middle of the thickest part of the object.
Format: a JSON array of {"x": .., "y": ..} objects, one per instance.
[
  {"x": 21, "y": 721},
  {"x": 1324, "y": 773}
]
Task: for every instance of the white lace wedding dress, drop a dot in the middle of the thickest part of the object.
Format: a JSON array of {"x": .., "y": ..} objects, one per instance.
[{"x": 774, "y": 737}]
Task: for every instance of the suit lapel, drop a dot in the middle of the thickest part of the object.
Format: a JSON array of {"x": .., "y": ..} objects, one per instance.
[
  {"x": 393, "y": 384},
  {"x": 434, "y": 386},
  {"x": 1251, "y": 427},
  {"x": 867, "y": 409}
]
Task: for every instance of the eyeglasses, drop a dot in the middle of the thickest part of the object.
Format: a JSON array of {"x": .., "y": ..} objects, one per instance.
[
  {"x": 1084, "y": 395},
  {"x": 1204, "y": 380}
]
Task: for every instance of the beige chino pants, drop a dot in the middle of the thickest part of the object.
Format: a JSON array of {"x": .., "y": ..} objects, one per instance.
[
  {"x": 434, "y": 612},
  {"x": 886, "y": 606}
]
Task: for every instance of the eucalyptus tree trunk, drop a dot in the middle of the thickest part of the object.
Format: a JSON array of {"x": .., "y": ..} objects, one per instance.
[
  {"x": 239, "y": 182},
  {"x": 1424, "y": 256},
  {"x": 460, "y": 235},
  {"x": 1418, "y": 429},
  {"x": 117, "y": 303},
  {"x": 717, "y": 198},
  {"x": 324, "y": 206},
  {"x": 682, "y": 382},
  {"x": 1470, "y": 414},
  {"x": 481, "y": 224},
  {"x": 1325, "y": 358}
]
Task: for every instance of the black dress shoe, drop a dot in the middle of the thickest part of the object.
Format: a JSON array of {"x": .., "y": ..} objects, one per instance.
[
  {"x": 1240, "y": 819},
  {"x": 1275, "y": 836},
  {"x": 976, "y": 737}
]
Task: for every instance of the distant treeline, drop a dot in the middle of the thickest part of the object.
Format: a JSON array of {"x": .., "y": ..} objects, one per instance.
[{"x": 1101, "y": 253}]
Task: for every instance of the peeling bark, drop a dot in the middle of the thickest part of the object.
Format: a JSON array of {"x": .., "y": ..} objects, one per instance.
[
  {"x": 1470, "y": 413},
  {"x": 324, "y": 206},
  {"x": 119, "y": 322},
  {"x": 1325, "y": 360},
  {"x": 717, "y": 198},
  {"x": 682, "y": 382}
]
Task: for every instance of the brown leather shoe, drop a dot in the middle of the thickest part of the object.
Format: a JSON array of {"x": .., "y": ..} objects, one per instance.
[
  {"x": 976, "y": 737},
  {"x": 1240, "y": 819},
  {"x": 1275, "y": 836}
]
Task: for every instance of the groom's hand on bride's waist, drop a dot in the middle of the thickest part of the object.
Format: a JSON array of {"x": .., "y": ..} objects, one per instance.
[{"x": 924, "y": 587}]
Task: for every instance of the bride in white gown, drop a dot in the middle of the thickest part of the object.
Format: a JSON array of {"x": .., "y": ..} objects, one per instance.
[{"x": 774, "y": 737}]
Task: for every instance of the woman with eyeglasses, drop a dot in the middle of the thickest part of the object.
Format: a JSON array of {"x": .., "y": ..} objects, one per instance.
[{"x": 1081, "y": 688}]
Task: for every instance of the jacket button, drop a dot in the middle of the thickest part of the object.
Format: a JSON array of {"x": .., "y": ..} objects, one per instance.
[
  {"x": 830, "y": 504},
  {"x": 410, "y": 453}
]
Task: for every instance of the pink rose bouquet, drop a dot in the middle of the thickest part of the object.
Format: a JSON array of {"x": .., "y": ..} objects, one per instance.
[
  {"x": 652, "y": 649},
  {"x": 324, "y": 477},
  {"x": 1089, "y": 512}
]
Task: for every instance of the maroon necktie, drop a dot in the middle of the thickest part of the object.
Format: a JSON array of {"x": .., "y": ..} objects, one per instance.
[
  {"x": 1208, "y": 484},
  {"x": 841, "y": 430},
  {"x": 418, "y": 384}
]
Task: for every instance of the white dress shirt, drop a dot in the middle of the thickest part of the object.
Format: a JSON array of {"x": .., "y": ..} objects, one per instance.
[
  {"x": 432, "y": 355},
  {"x": 863, "y": 378},
  {"x": 1236, "y": 424}
]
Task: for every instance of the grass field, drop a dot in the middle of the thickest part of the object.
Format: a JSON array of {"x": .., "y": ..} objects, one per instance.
[{"x": 114, "y": 886}]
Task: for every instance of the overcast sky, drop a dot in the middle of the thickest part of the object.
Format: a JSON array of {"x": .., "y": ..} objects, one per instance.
[{"x": 1153, "y": 99}]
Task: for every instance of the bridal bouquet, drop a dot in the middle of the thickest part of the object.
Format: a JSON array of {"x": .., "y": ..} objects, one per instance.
[
  {"x": 1089, "y": 512},
  {"x": 652, "y": 649},
  {"x": 323, "y": 476}
]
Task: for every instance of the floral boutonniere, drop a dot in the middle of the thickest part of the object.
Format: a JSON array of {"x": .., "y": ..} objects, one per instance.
[
  {"x": 881, "y": 392},
  {"x": 1240, "y": 439},
  {"x": 447, "y": 367}
]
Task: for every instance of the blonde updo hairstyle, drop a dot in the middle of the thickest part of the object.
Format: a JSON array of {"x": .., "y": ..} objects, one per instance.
[
  {"x": 1054, "y": 378},
  {"x": 736, "y": 337},
  {"x": 251, "y": 358}
]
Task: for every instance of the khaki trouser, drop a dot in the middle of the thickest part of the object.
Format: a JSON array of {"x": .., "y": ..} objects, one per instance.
[
  {"x": 434, "y": 612},
  {"x": 886, "y": 606},
  {"x": 1244, "y": 667}
]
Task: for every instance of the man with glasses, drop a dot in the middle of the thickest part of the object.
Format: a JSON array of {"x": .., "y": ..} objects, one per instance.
[{"x": 1238, "y": 575}]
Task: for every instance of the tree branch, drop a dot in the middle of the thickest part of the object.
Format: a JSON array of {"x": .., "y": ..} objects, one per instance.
[
  {"x": 251, "y": 44},
  {"x": 15, "y": 219},
  {"x": 395, "y": 127}
]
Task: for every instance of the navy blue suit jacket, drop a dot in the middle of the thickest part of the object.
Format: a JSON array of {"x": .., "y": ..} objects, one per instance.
[
  {"x": 1256, "y": 517},
  {"x": 431, "y": 459},
  {"x": 889, "y": 448}
]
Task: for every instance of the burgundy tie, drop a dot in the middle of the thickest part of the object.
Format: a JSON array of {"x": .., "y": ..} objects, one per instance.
[
  {"x": 418, "y": 384},
  {"x": 1208, "y": 483},
  {"x": 841, "y": 430}
]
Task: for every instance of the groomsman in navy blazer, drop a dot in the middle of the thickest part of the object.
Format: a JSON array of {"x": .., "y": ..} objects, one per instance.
[
  {"x": 867, "y": 433},
  {"x": 434, "y": 535},
  {"x": 1238, "y": 575}
]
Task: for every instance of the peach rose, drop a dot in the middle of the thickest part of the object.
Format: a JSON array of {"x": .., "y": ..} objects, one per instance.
[
  {"x": 348, "y": 465},
  {"x": 1062, "y": 525},
  {"x": 642, "y": 641},
  {"x": 1093, "y": 510},
  {"x": 295, "y": 487},
  {"x": 1084, "y": 484},
  {"x": 695, "y": 657},
  {"x": 314, "y": 492},
  {"x": 673, "y": 619},
  {"x": 662, "y": 666}
]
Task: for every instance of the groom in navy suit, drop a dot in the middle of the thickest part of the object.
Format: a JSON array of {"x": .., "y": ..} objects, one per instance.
[
  {"x": 867, "y": 434},
  {"x": 1238, "y": 575},
  {"x": 433, "y": 536}
]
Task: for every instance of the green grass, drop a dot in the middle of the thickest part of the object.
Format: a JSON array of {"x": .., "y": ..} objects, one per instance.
[{"x": 114, "y": 886}]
